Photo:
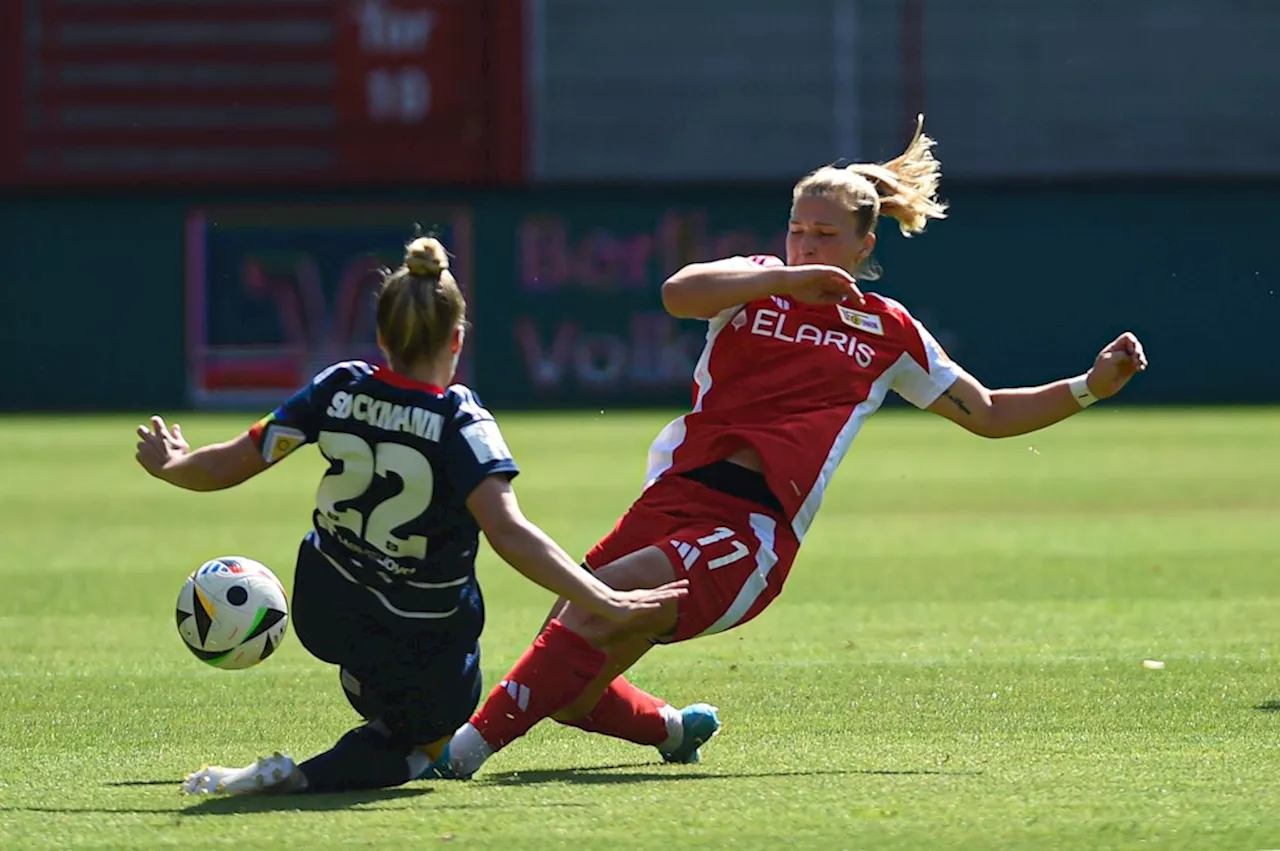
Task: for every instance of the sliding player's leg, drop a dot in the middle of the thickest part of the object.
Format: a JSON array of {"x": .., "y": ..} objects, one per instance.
[
  {"x": 367, "y": 757},
  {"x": 728, "y": 564},
  {"x": 619, "y": 709},
  {"x": 411, "y": 695},
  {"x": 613, "y": 707},
  {"x": 409, "y": 714},
  {"x": 322, "y": 625},
  {"x": 563, "y": 662},
  {"x": 417, "y": 703}
]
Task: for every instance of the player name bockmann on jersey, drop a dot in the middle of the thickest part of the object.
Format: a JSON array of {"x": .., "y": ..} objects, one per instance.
[
  {"x": 385, "y": 415},
  {"x": 391, "y": 514}
]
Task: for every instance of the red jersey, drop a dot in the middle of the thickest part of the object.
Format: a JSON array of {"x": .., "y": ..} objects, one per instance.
[{"x": 796, "y": 382}]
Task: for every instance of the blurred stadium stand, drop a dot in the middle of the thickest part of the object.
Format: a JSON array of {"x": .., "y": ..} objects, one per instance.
[
  {"x": 238, "y": 168},
  {"x": 1015, "y": 89}
]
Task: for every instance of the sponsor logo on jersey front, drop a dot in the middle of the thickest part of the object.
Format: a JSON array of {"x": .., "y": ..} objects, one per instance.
[
  {"x": 771, "y": 323},
  {"x": 387, "y": 565},
  {"x": 868, "y": 322}
]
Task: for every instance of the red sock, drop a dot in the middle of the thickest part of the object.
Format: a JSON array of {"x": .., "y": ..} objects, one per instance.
[
  {"x": 550, "y": 675},
  {"x": 626, "y": 712}
]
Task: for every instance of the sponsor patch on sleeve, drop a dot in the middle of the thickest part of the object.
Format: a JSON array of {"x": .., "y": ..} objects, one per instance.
[
  {"x": 486, "y": 441},
  {"x": 278, "y": 441}
]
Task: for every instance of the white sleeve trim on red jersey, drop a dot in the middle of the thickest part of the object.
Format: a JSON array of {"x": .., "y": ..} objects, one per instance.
[
  {"x": 716, "y": 323},
  {"x": 671, "y": 438},
  {"x": 919, "y": 386}
]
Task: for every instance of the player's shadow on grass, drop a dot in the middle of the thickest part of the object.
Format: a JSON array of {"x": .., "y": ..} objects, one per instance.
[
  {"x": 240, "y": 804},
  {"x": 174, "y": 783},
  {"x": 664, "y": 774},
  {"x": 222, "y": 806},
  {"x": 1268, "y": 706}
]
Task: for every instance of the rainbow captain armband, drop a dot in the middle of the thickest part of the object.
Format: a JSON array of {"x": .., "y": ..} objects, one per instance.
[{"x": 275, "y": 441}]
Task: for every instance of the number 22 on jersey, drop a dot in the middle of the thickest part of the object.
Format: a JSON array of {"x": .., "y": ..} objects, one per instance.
[{"x": 360, "y": 463}]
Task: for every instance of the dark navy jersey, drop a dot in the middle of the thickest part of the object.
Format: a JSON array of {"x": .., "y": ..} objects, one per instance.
[{"x": 391, "y": 513}]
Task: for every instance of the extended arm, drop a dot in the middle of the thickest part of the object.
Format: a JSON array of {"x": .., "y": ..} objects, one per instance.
[
  {"x": 165, "y": 454},
  {"x": 1011, "y": 412},
  {"x": 531, "y": 551},
  {"x": 1005, "y": 413}
]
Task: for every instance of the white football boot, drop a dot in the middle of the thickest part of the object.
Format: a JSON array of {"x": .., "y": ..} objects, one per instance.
[{"x": 275, "y": 773}]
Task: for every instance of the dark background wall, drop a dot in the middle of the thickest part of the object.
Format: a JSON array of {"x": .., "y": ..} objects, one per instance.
[
  {"x": 195, "y": 196},
  {"x": 1022, "y": 284}
]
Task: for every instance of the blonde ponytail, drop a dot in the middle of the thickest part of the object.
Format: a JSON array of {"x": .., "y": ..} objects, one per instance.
[{"x": 907, "y": 185}]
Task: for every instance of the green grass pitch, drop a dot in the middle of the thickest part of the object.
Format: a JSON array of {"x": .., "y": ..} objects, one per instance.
[{"x": 956, "y": 661}]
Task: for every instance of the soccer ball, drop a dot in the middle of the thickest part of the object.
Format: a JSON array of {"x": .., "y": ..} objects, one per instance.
[{"x": 232, "y": 612}]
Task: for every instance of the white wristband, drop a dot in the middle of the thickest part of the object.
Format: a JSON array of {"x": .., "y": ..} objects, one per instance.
[{"x": 1080, "y": 391}]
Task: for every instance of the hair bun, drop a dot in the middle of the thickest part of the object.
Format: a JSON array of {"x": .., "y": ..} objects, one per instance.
[{"x": 425, "y": 257}]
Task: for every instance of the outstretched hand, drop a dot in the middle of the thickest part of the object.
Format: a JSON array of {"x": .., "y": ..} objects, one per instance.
[
  {"x": 160, "y": 444},
  {"x": 622, "y": 606},
  {"x": 1120, "y": 360}
]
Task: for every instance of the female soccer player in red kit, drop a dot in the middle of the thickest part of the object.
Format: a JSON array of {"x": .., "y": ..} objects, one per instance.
[{"x": 796, "y": 360}]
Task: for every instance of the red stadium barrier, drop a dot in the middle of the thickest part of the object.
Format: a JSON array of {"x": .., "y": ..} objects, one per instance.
[
  {"x": 507, "y": 56},
  {"x": 312, "y": 91},
  {"x": 11, "y": 79},
  {"x": 411, "y": 90}
]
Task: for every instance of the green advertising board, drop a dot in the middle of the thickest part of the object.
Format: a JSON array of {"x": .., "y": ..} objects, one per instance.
[
  {"x": 569, "y": 309},
  {"x": 126, "y": 303},
  {"x": 277, "y": 292}
]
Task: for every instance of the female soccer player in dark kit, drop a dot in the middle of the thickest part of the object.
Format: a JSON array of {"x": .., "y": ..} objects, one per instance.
[
  {"x": 385, "y": 586},
  {"x": 796, "y": 359}
]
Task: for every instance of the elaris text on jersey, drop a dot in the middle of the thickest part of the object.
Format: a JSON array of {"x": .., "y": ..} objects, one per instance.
[{"x": 775, "y": 324}]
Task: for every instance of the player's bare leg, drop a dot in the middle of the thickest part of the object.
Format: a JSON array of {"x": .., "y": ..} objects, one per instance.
[
  {"x": 613, "y": 706},
  {"x": 583, "y": 646},
  {"x": 646, "y": 568},
  {"x": 556, "y": 610}
]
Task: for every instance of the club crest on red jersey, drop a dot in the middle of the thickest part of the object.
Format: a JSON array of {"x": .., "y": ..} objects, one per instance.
[{"x": 868, "y": 322}]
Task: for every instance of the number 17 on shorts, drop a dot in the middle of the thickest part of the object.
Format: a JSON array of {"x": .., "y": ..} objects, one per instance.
[{"x": 734, "y": 571}]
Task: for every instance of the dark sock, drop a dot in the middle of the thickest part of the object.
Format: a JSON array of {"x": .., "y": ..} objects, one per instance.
[{"x": 365, "y": 758}]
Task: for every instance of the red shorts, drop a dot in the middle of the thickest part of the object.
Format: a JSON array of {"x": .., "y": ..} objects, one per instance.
[{"x": 736, "y": 554}]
